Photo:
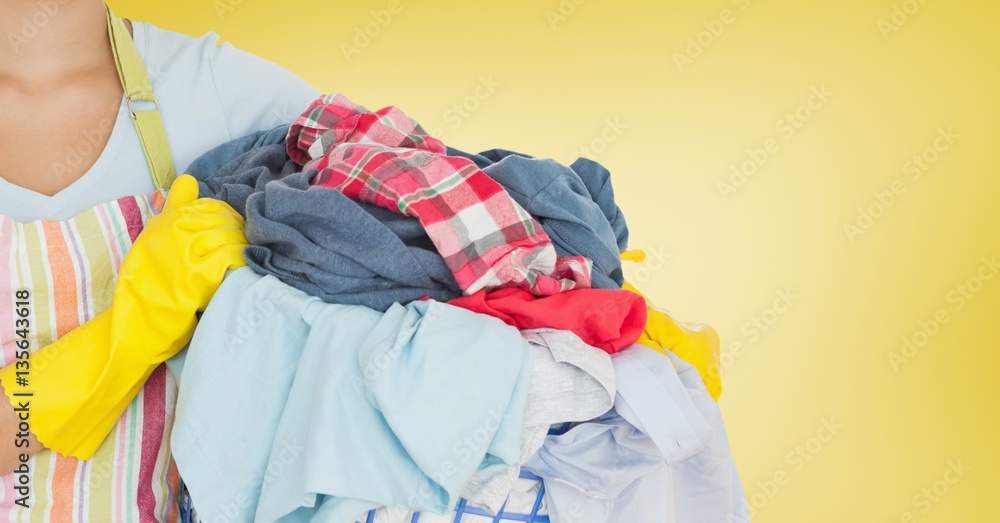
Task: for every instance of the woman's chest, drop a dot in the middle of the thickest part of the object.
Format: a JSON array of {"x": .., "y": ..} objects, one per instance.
[{"x": 48, "y": 141}]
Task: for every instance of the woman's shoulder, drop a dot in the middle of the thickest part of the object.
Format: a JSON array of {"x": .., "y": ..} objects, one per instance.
[
  {"x": 252, "y": 93},
  {"x": 159, "y": 46}
]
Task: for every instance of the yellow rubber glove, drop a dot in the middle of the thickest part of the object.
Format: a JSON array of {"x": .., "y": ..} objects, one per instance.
[
  {"x": 695, "y": 343},
  {"x": 83, "y": 382}
]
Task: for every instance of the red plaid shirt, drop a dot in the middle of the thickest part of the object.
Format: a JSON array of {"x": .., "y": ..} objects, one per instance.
[{"x": 387, "y": 159}]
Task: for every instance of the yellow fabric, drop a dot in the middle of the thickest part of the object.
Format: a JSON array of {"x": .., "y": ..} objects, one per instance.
[
  {"x": 85, "y": 380},
  {"x": 138, "y": 88},
  {"x": 695, "y": 343}
]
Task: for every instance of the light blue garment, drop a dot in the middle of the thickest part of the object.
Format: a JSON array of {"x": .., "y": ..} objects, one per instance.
[
  {"x": 207, "y": 93},
  {"x": 292, "y": 409},
  {"x": 661, "y": 455},
  {"x": 232, "y": 393}
]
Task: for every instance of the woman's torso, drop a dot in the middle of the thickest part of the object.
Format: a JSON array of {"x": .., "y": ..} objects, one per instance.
[{"x": 207, "y": 95}]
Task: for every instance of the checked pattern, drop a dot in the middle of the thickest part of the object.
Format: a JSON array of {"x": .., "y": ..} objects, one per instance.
[{"x": 384, "y": 158}]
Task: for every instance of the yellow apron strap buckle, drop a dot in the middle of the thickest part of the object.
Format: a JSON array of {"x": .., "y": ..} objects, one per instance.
[{"x": 141, "y": 96}]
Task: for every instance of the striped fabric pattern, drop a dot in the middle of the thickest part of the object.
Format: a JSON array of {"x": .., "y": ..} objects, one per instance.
[{"x": 70, "y": 268}]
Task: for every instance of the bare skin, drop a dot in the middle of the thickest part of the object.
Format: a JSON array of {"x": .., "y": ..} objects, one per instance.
[{"x": 59, "y": 88}]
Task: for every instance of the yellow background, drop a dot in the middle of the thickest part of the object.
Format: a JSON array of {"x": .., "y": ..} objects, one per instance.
[{"x": 723, "y": 260}]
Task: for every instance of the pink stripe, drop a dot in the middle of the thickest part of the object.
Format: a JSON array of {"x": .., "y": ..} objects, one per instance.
[
  {"x": 132, "y": 215},
  {"x": 153, "y": 413}
]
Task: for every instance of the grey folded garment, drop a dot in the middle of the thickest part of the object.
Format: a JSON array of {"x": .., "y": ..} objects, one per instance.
[{"x": 322, "y": 242}]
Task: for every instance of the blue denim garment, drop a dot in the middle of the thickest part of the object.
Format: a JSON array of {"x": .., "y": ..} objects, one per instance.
[
  {"x": 575, "y": 206},
  {"x": 210, "y": 162}
]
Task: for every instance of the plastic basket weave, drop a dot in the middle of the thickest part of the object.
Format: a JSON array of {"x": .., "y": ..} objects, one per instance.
[{"x": 463, "y": 513}]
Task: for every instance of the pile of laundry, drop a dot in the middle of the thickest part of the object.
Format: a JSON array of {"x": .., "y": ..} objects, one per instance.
[{"x": 426, "y": 334}]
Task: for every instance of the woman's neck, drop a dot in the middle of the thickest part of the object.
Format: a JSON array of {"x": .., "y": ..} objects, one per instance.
[{"x": 52, "y": 39}]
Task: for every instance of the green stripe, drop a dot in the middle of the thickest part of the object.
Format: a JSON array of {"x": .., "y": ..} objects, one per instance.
[
  {"x": 120, "y": 234},
  {"x": 100, "y": 478},
  {"x": 131, "y": 504},
  {"x": 95, "y": 247},
  {"x": 430, "y": 192}
]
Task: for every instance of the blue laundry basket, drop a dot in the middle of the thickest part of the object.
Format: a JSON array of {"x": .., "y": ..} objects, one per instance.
[{"x": 463, "y": 513}]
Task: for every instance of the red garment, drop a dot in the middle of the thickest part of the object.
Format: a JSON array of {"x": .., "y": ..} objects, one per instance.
[{"x": 610, "y": 320}]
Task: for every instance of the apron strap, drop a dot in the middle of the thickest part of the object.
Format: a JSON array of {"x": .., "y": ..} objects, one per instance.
[{"x": 138, "y": 88}]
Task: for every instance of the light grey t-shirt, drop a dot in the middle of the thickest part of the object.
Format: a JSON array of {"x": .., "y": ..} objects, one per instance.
[{"x": 208, "y": 94}]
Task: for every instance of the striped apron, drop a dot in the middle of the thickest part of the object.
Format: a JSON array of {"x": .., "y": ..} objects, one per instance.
[{"x": 57, "y": 275}]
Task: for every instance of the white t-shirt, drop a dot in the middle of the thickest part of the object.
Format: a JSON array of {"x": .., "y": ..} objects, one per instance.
[{"x": 208, "y": 94}]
